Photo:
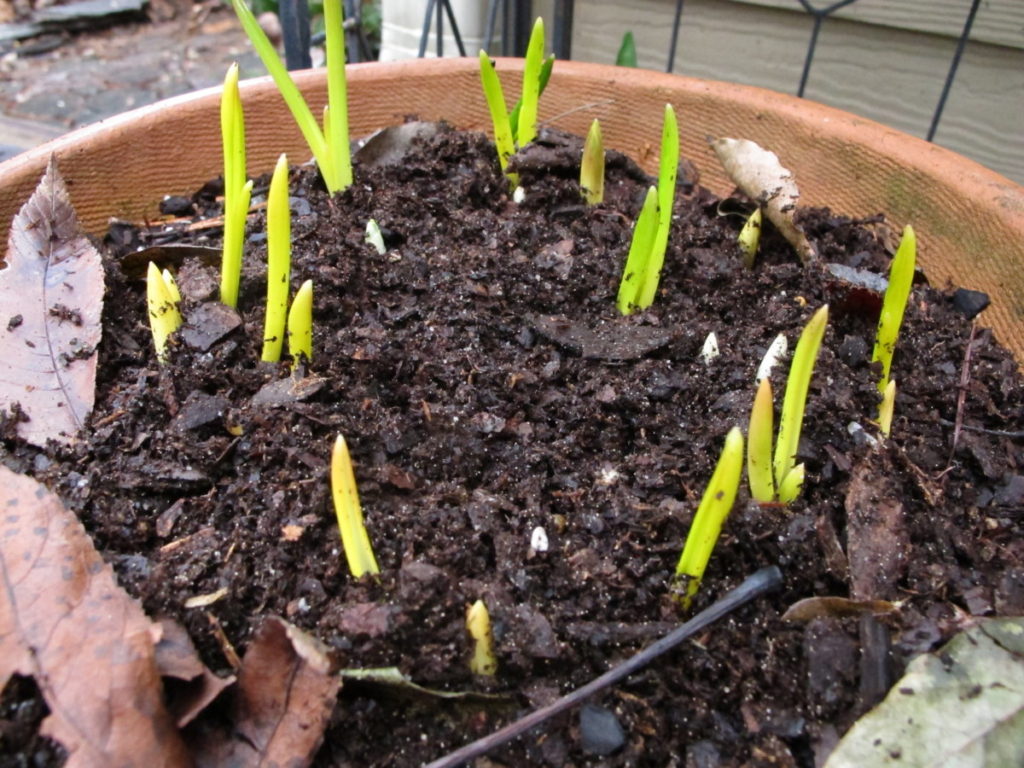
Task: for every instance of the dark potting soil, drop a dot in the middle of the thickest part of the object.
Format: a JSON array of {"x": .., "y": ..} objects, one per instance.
[{"x": 487, "y": 387}]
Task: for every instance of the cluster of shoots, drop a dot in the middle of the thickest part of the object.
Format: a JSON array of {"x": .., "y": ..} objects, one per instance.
[
  {"x": 715, "y": 506},
  {"x": 237, "y": 189},
  {"x": 329, "y": 144},
  {"x": 642, "y": 272},
  {"x": 519, "y": 127},
  {"x": 354, "y": 538},
  {"x": 894, "y": 304},
  {"x": 781, "y": 479},
  {"x": 299, "y": 319},
  {"x": 592, "y": 166},
  {"x": 162, "y": 298}
]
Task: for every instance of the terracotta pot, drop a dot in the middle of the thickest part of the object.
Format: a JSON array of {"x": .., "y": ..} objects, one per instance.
[{"x": 970, "y": 221}]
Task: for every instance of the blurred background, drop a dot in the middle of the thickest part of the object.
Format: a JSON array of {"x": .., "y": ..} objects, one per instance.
[{"x": 949, "y": 70}]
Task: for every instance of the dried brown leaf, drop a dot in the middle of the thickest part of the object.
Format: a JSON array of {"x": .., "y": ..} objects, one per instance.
[
  {"x": 836, "y": 608},
  {"x": 191, "y": 685},
  {"x": 51, "y": 290},
  {"x": 286, "y": 691},
  {"x": 89, "y": 646},
  {"x": 761, "y": 176}
]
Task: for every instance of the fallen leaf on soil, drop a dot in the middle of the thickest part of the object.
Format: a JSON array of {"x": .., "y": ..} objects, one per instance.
[
  {"x": 167, "y": 256},
  {"x": 877, "y": 541},
  {"x": 65, "y": 622},
  {"x": 390, "y": 145},
  {"x": 52, "y": 292},
  {"x": 192, "y": 686},
  {"x": 286, "y": 691},
  {"x": 836, "y": 607},
  {"x": 761, "y": 176},
  {"x": 962, "y": 706},
  {"x": 391, "y": 681}
]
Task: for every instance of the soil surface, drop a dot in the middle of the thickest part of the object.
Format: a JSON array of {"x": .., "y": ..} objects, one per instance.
[{"x": 488, "y": 388}]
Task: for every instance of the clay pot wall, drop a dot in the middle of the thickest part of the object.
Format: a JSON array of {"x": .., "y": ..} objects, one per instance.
[{"x": 969, "y": 220}]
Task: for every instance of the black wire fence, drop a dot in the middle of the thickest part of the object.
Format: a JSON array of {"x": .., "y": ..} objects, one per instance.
[{"x": 516, "y": 19}]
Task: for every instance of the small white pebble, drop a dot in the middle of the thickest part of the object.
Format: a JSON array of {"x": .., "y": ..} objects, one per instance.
[
  {"x": 518, "y": 195},
  {"x": 539, "y": 540},
  {"x": 607, "y": 475}
]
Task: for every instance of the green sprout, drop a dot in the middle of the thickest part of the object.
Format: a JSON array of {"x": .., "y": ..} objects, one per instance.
[
  {"x": 162, "y": 299},
  {"x": 887, "y": 407},
  {"x": 642, "y": 273},
  {"x": 714, "y": 508},
  {"x": 279, "y": 262},
  {"x": 478, "y": 624},
  {"x": 901, "y": 277},
  {"x": 330, "y": 146},
  {"x": 518, "y": 127},
  {"x": 526, "y": 125},
  {"x": 639, "y": 252},
  {"x": 626, "y": 57},
  {"x": 592, "y": 166},
  {"x": 787, "y": 474},
  {"x": 300, "y": 324},
  {"x": 749, "y": 238},
  {"x": 237, "y": 191},
  {"x": 354, "y": 538}
]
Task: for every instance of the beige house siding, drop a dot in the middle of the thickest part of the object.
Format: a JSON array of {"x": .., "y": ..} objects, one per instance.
[{"x": 885, "y": 60}]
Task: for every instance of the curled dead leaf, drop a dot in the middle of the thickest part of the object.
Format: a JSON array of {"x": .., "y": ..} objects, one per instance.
[
  {"x": 836, "y": 608},
  {"x": 66, "y": 622},
  {"x": 286, "y": 691},
  {"x": 761, "y": 176},
  {"x": 52, "y": 292}
]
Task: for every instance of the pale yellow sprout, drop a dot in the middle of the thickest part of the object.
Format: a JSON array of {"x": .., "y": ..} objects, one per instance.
[
  {"x": 300, "y": 323},
  {"x": 478, "y": 624},
  {"x": 750, "y": 237},
  {"x": 759, "y": 445},
  {"x": 354, "y": 538},
  {"x": 885, "y": 409},
  {"x": 592, "y": 166},
  {"x": 162, "y": 306},
  {"x": 279, "y": 262}
]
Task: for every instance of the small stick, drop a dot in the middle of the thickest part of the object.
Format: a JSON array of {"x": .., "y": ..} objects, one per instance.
[
  {"x": 961, "y": 398},
  {"x": 1019, "y": 434},
  {"x": 762, "y": 582}
]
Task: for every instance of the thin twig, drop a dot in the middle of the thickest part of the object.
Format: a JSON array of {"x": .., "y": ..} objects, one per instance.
[
  {"x": 764, "y": 581},
  {"x": 961, "y": 397},
  {"x": 1018, "y": 435}
]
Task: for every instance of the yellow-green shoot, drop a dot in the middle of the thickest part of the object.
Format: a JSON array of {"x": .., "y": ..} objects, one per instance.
[
  {"x": 478, "y": 624},
  {"x": 750, "y": 237},
  {"x": 901, "y": 277},
  {"x": 279, "y": 262},
  {"x": 714, "y": 508},
  {"x": 641, "y": 275},
  {"x": 592, "y": 166},
  {"x": 300, "y": 324},
  {"x": 354, "y": 538},
  {"x": 237, "y": 190},
  {"x": 162, "y": 299},
  {"x": 330, "y": 145},
  {"x": 639, "y": 252},
  {"x": 787, "y": 474},
  {"x": 518, "y": 127}
]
